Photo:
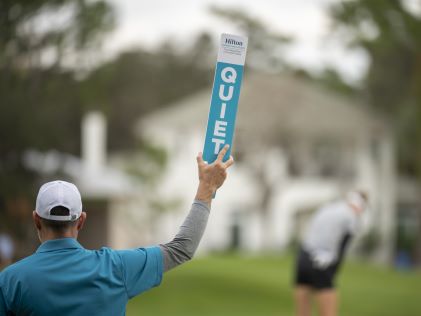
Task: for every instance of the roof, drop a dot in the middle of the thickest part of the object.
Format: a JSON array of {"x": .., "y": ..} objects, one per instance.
[
  {"x": 273, "y": 105},
  {"x": 104, "y": 183}
]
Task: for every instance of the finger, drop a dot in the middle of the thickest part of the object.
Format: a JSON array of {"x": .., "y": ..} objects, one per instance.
[
  {"x": 222, "y": 153},
  {"x": 229, "y": 162},
  {"x": 199, "y": 159}
]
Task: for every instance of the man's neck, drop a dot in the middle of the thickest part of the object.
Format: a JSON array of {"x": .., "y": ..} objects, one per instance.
[{"x": 48, "y": 235}]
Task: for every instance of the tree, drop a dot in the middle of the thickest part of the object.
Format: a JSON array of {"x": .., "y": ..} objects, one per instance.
[
  {"x": 60, "y": 28},
  {"x": 265, "y": 48},
  {"x": 48, "y": 80},
  {"x": 139, "y": 81},
  {"x": 39, "y": 96},
  {"x": 390, "y": 33}
]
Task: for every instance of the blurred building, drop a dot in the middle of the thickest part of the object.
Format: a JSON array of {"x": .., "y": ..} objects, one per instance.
[
  {"x": 110, "y": 196},
  {"x": 297, "y": 145}
]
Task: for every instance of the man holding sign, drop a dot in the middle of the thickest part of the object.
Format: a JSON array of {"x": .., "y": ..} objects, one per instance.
[{"x": 63, "y": 278}]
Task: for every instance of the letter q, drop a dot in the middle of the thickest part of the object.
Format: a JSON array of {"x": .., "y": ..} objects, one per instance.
[{"x": 229, "y": 75}]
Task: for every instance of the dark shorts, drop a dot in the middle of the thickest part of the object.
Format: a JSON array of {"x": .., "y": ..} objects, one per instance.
[{"x": 308, "y": 275}]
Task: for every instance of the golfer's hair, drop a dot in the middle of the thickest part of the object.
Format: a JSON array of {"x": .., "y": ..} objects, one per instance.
[
  {"x": 58, "y": 227},
  {"x": 363, "y": 194}
]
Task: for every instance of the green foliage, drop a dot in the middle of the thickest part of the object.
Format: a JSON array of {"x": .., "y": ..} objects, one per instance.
[
  {"x": 43, "y": 47},
  {"x": 39, "y": 100},
  {"x": 390, "y": 33},
  {"x": 46, "y": 87},
  {"x": 265, "y": 48},
  {"x": 138, "y": 82},
  {"x": 30, "y": 29},
  {"x": 38, "y": 111},
  {"x": 329, "y": 78}
]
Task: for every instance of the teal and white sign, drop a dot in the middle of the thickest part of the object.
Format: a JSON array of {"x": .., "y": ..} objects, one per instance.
[{"x": 225, "y": 96}]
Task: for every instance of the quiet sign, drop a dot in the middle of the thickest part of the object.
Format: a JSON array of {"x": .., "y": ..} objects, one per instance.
[{"x": 225, "y": 96}]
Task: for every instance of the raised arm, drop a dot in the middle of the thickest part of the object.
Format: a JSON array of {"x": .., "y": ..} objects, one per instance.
[{"x": 185, "y": 243}]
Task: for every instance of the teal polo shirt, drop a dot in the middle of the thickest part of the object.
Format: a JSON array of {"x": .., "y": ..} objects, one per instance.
[{"x": 63, "y": 278}]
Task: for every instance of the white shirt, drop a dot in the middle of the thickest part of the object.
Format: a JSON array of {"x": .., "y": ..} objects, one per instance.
[{"x": 328, "y": 227}]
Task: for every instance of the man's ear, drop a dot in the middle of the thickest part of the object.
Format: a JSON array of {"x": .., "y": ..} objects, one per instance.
[
  {"x": 81, "y": 221},
  {"x": 37, "y": 220}
]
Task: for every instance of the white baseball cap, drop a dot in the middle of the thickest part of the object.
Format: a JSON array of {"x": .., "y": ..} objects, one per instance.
[{"x": 59, "y": 193}]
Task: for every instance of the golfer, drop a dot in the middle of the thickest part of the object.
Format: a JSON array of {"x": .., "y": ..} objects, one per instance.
[
  {"x": 322, "y": 251},
  {"x": 63, "y": 278}
]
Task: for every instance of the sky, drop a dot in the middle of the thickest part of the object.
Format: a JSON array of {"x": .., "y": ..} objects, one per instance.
[{"x": 148, "y": 23}]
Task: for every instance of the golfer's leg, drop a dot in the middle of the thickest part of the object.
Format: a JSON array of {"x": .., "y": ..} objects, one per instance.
[
  {"x": 302, "y": 296},
  {"x": 327, "y": 302}
]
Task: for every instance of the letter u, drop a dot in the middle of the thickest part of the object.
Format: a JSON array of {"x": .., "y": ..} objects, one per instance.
[{"x": 221, "y": 92}]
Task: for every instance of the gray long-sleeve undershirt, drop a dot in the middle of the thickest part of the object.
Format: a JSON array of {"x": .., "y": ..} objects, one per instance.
[{"x": 185, "y": 243}]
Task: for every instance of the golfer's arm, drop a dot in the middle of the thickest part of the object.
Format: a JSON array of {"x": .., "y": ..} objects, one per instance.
[{"x": 185, "y": 243}]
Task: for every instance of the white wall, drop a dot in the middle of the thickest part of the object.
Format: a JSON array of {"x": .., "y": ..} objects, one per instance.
[{"x": 240, "y": 193}]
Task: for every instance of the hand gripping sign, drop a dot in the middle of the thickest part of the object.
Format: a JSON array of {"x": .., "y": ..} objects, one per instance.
[{"x": 225, "y": 96}]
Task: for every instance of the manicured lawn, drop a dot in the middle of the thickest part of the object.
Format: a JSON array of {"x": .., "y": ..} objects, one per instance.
[{"x": 261, "y": 286}]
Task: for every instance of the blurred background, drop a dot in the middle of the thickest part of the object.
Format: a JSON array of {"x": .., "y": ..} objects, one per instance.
[{"x": 114, "y": 96}]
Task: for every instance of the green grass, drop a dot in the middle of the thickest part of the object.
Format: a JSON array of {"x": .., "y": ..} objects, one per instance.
[{"x": 261, "y": 286}]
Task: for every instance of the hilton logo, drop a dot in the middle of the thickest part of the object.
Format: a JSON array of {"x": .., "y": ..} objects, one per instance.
[{"x": 233, "y": 42}]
